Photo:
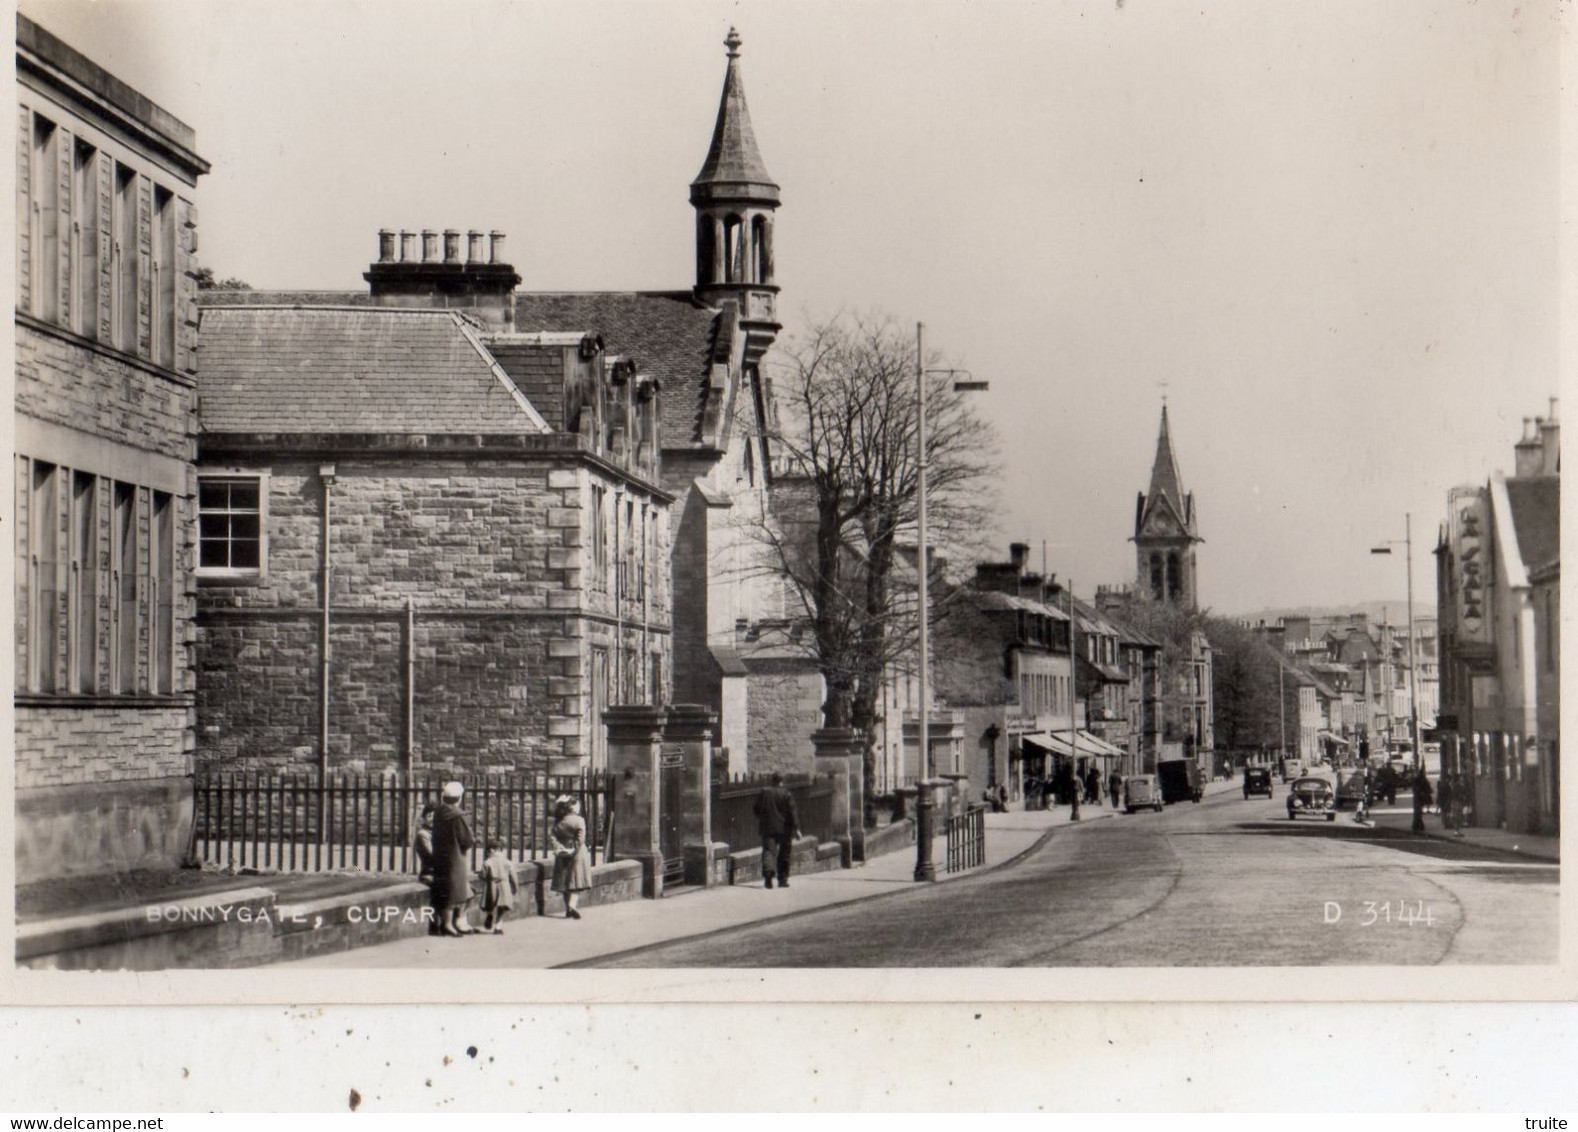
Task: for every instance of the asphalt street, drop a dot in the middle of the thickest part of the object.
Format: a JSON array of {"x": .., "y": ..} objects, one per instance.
[{"x": 1226, "y": 882}]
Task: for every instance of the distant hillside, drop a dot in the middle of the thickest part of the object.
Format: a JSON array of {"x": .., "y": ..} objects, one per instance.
[{"x": 1394, "y": 610}]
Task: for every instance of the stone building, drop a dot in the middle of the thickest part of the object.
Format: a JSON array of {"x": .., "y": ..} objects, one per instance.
[
  {"x": 1498, "y": 566},
  {"x": 706, "y": 346},
  {"x": 426, "y": 541},
  {"x": 104, "y": 487}
]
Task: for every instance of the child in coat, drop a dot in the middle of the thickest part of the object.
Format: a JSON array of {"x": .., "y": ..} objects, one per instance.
[{"x": 498, "y": 889}]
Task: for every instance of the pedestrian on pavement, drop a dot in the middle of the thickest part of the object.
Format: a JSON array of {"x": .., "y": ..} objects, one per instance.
[
  {"x": 498, "y": 889},
  {"x": 1422, "y": 788},
  {"x": 572, "y": 867},
  {"x": 452, "y": 842},
  {"x": 422, "y": 848},
  {"x": 1068, "y": 787},
  {"x": 778, "y": 824},
  {"x": 1444, "y": 800},
  {"x": 1000, "y": 797},
  {"x": 1115, "y": 789},
  {"x": 1092, "y": 785}
]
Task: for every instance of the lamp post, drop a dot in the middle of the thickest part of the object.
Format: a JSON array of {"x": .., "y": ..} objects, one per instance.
[
  {"x": 925, "y": 800},
  {"x": 1413, "y": 669}
]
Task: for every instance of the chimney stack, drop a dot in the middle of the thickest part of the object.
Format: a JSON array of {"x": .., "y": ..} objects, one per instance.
[
  {"x": 1018, "y": 553},
  {"x": 451, "y": 275},
  {"x": 496, "y": 247},
  {"x": 1526, "y": 453},
  {"x": 1550, "y": 444}
]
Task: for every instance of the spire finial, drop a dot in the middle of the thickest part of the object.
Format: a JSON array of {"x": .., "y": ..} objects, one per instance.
[{"x": 732, "y": 42}]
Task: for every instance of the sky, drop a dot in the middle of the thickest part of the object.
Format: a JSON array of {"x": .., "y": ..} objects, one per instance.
[{"x": 1326, "y": 232}]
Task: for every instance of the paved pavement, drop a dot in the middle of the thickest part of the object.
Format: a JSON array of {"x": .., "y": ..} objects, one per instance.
[
  {"x": 1401, "y": 817},
  {"x": 614, "y": 930},
  {"x": 1229, "y": 882}
]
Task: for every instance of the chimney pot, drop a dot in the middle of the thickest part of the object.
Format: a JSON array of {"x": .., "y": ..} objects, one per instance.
[
  {"x": 451, "y": 245},
  {"x": 1552, "y": 415},
  {"x": 496, "y": 247},
  {"x": 429, "y": 245},
  {"x": 407, "y": 246},
  {"x": 386, "y": 246},
  {"x": 474, "y": 252}
]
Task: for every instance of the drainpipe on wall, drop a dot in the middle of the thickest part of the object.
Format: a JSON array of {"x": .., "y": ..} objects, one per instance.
[
  {"x": 326, "y": 473},
  {"x": 410, "y": 688}
]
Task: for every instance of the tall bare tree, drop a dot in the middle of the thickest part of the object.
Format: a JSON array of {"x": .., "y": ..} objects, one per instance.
[{"x": 845, "y": 497}]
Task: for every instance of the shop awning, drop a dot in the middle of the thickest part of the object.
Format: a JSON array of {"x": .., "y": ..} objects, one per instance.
[{"x": 1059, "y": 743}]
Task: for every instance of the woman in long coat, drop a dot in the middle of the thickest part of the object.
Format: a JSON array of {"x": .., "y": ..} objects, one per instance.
[
  {"x": 452, "y": 842},
  {"x": 572, "y": 868}
]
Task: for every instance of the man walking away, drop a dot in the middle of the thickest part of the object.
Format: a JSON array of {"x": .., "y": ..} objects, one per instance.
[{"x": 778, "y": 825}]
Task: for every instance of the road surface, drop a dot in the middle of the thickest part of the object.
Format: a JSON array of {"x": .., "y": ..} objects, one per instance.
[{"x": 1226, "y": 882}]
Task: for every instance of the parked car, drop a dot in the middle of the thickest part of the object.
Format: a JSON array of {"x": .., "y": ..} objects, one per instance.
[
  {"x": 1257, "y": 780},
  {"x": 1141, "y": 791},
  {"x": 1311, "y": 797},
  {"x": 1180, "y": 779}
]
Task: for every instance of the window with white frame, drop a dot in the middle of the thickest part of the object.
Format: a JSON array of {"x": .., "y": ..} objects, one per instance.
[{"x": 232, "y": 537}]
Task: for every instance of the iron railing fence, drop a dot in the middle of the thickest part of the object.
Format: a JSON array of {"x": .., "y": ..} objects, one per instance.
[
  {"x": 967, "y": 839},
  {"x": 300, "y": 823}
]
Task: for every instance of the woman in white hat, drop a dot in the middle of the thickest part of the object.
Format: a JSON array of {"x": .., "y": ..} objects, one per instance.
[
  {"x": 452, "y": 842},
  {"x": 572, "y": 869}
]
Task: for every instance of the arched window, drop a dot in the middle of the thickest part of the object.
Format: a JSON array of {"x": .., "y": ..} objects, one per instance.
[
  {"x": 734, "y": 246},
  {"x": 1174, "y": 582},
  {"x": 1156, "y": 577},
  {"x": 762, "y": 247},
  {"x": 706, "y": 252}
]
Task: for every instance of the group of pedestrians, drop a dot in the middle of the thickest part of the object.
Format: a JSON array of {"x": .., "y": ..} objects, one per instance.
[{"x": 444, "y": 843}]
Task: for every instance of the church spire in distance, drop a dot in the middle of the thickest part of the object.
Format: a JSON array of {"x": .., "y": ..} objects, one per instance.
[{"x": 1165, "y": 530}]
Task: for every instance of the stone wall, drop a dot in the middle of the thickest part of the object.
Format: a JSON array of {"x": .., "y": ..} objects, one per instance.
[
  {"x": 492, "y": 556},
  {"x": 786, "y": 707}
]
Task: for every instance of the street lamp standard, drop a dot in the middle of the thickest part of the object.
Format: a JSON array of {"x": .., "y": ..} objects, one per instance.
[
  {"x": 1413, "y": 670},
  {"x": 925, "y": 799}
]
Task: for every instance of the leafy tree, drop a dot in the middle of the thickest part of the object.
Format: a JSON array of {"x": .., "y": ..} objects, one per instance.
[{"x": 207, "y": 282}]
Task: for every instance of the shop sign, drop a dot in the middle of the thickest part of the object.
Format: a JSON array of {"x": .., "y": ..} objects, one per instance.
[{"x": 1471, "y": 563}]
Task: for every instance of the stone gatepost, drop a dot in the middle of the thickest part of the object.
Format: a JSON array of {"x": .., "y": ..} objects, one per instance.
[
  {"x": 839, "y": 753},
  {"x": 635, "y": 749},
  {"x": 687, "y": 735}
]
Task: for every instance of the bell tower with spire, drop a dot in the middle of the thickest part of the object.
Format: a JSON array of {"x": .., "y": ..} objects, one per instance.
[
  {"x": 1165, "y": 532},
  {"x": 735, "y": 199}
]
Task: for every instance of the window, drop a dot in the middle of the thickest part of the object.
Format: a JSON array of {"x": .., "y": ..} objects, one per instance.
[
  {"x": 164, "y": 276},
  {"x": 230, "y": 537},
  {"x": 126, "y": 259},
  {"x": 125, "y": 583},
  {"x": 46, "y": 219},
  {"x": 599, "y": 540},
  {"x": 161, "y": 572},
  {"x": 85, "y": 239},
  {"x": 47, "y": 605},
  {"x": 85, "y": 581}
]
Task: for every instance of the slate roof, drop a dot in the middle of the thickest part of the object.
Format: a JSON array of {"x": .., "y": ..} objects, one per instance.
[
  {"x": 733, "y": 157},
  {"x": 1536, "y": 516},
  {"x": 997, "y": 600},
  {"x": 668, "y": 333},
  {"x": 304, "y": 370}
]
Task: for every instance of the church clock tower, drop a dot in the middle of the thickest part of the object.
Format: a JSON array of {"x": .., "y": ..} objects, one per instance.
[{"x": 1165, "y": 532}]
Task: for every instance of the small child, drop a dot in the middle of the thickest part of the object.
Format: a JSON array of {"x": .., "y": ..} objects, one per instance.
[{"x": 498, "y": 889}]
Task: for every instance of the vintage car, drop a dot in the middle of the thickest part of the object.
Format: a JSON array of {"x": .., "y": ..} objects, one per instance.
[
  {"x": 1311, "y": 797},
  {"x": 1257, "y": 780},
  {"x": 1141, "y": 791},
  {"x": 1180, "y": 780}
]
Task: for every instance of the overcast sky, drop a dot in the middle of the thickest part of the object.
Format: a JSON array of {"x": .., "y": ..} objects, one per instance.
[{"x": 1329, "y": 227}]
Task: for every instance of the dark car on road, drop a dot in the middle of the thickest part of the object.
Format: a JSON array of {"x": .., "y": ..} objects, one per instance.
[
  {"x": 1311, "y": 797},
  {"x": 1257, "y": 780}
]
